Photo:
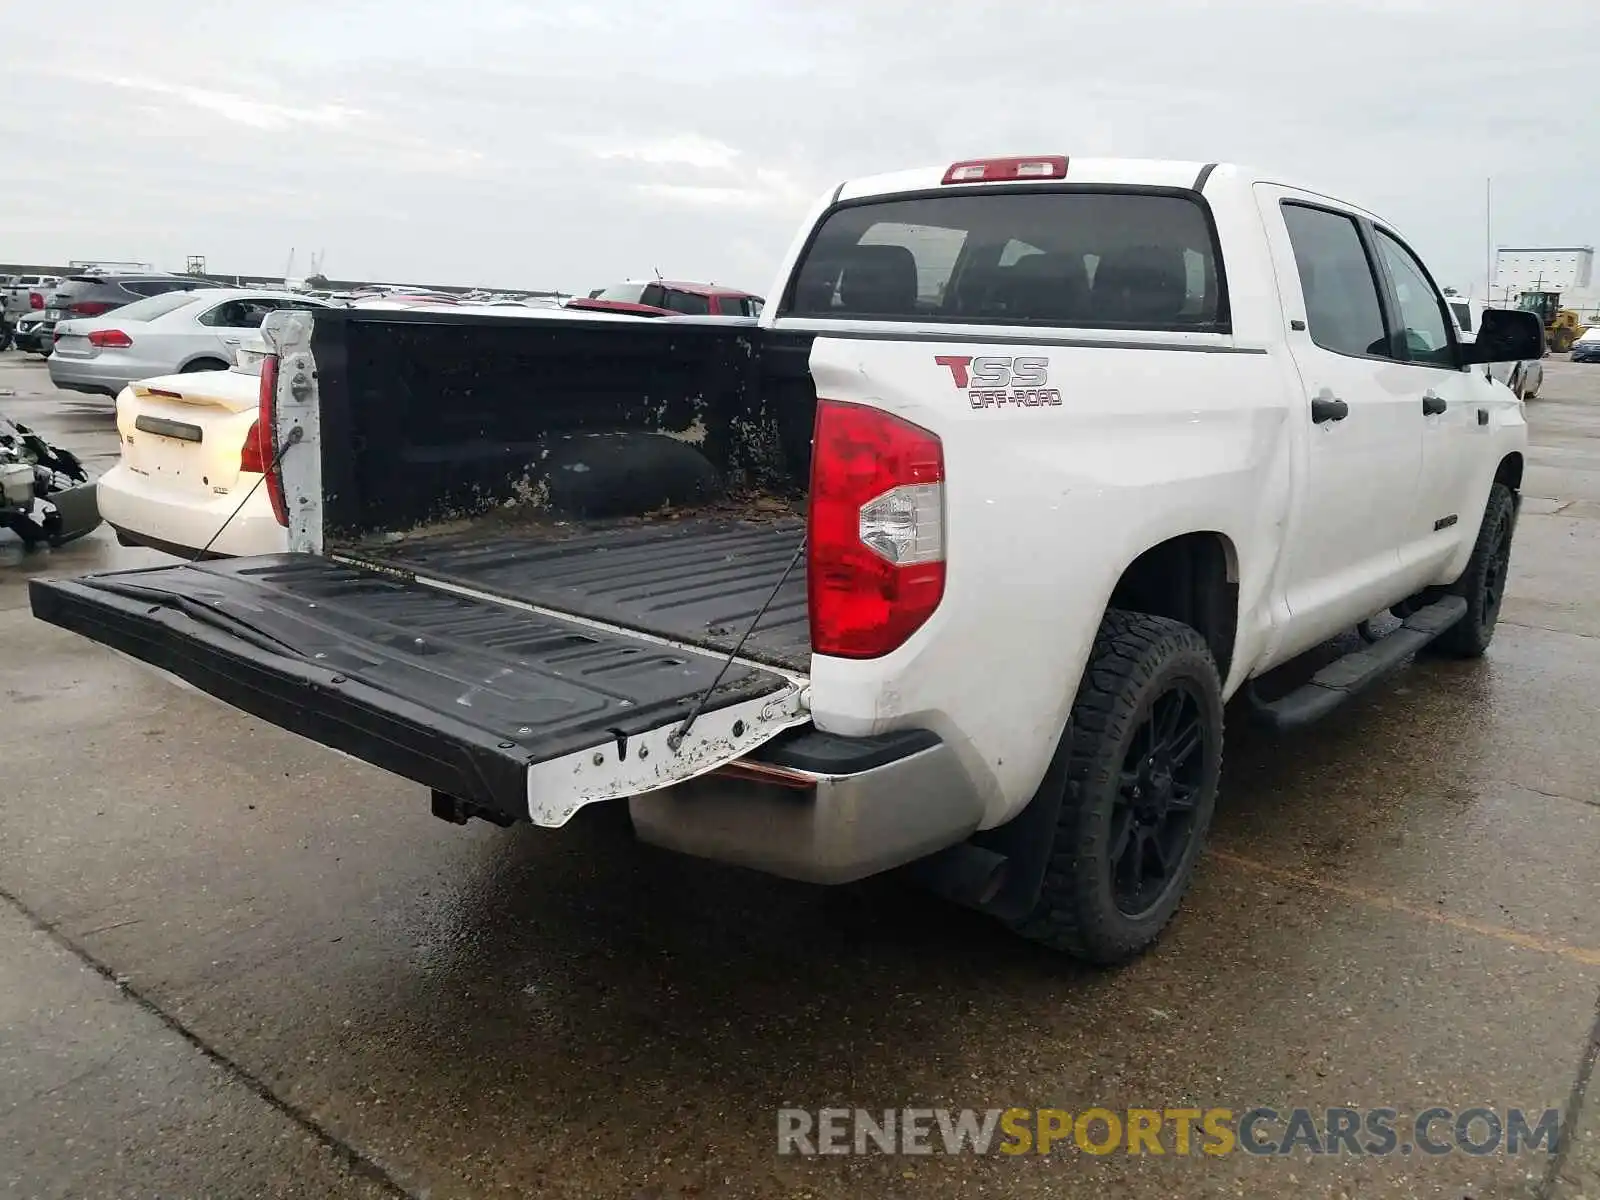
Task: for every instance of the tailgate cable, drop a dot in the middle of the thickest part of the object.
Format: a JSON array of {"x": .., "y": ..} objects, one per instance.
[
  {"x": 293, "y": 436},
  {"x": 675, "y": 738}
]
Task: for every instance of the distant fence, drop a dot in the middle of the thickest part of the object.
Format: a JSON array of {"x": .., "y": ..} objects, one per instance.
[{"x": 333, "y": 285}]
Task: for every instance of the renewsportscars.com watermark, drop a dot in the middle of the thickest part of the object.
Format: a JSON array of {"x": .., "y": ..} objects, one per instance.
[{"x": 1378, "y": 1132}]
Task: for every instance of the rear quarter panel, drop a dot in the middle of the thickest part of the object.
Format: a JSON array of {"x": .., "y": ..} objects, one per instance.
[{"x": 1045, "y": 508}]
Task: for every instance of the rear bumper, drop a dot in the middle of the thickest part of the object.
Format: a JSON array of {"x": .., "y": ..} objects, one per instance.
[
  {"x": 818, "y": 807},
  {"x": 89, "y": 375},
  {"x": 146, "y": 514}
]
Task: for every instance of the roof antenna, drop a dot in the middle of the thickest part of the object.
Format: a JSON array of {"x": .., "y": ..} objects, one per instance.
[{"x": 657, "y": 270}]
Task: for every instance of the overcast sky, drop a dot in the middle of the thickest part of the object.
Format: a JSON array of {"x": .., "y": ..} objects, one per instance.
[{"x": 562, "y": 143}]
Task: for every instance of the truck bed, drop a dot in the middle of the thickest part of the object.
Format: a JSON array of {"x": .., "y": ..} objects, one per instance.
[
  {"x": 697, "y": 580},
  {"x": 649, "y": 476}
]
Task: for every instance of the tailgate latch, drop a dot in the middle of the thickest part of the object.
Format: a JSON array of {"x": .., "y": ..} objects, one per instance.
[{"x": 663, "y": 756}]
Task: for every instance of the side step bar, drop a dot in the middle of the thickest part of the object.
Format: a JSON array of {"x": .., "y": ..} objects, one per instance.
[{"x": 1358, "y": 670}]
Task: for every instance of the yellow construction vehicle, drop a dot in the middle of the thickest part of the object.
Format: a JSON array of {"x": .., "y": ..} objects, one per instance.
[{"x": 1561, "y": 325}]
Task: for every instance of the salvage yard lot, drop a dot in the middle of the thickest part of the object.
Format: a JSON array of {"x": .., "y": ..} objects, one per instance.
[{"x": 232, "y": 963}]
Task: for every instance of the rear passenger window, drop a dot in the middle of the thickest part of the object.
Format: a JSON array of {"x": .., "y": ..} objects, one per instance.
[
  {"x": 227, "y": 316},
  {"x": 1133, "y": 260},
  {"x": 1336, "y": 279}
]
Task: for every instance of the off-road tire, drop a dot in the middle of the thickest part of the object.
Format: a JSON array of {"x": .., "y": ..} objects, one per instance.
[
  {"x": 1136, "y": 659},
  {"x": 1482, "y": 585}
]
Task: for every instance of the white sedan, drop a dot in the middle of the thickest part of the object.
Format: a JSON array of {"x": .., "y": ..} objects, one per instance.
[
  {"x": 167, "y": 334},
  {"x": 190, "y": 473}
]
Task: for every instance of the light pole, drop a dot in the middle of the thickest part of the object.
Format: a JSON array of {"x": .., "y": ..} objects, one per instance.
[{"x": 1488, "y": 240}]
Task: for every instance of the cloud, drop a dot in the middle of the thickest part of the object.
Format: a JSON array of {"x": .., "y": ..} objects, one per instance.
[
  {"x": 766, "y": 189},
  {"x": 684, "y": 149},
  {"x": 536, "y": 144},
  {"x": 241, "y": 109}
]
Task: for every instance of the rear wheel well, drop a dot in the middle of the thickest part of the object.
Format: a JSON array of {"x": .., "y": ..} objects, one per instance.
[
  {"x": 204, "y": 364},
  {"x": 1193, "y": 578}
]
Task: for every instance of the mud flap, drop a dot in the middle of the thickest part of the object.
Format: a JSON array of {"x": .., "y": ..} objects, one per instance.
[{"x": 527, "y": 714}]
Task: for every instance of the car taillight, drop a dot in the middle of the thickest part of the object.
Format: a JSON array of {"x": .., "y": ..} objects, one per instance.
[
  {"x": 113, "y": 339},
  {"x": 875, "y": 564},
  {"x": 89, "y": 308},
  {"x": 266, "y": 438},
  {"x": 253, "y": 457},
  {"x": 35, "y": 300}
]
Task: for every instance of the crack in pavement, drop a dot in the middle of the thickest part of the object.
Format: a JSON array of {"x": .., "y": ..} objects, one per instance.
[
  {"x": 1378, "y": 899},
  {"x": 1548, "y": 629},
  {"x": 99, "y": 1068},
  {"x": 357, "y": 1160},
  {"x": 1575, "y": 1106},
  {"x": 1592, "y": 801}
]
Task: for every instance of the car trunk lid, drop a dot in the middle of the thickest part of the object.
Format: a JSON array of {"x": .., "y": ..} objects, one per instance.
[
  {"x": 186, "y": 432},
  {"x": 72, "y": 343}
]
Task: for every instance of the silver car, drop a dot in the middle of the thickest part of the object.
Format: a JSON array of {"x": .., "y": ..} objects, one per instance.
[
  {"x": 163, "y": 335},
  {"x": 18, "y": 295}
]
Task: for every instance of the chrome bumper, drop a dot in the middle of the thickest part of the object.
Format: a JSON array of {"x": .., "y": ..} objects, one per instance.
[{"x": 808, "y": 816}]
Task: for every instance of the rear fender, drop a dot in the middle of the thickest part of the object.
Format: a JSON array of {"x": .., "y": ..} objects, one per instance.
[{"x": 1046, "y": 504}]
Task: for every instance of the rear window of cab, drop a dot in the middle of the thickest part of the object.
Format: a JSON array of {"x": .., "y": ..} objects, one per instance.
[{"x": 1084, "y": 259}]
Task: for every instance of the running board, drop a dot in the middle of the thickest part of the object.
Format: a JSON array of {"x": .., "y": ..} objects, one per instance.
[{"x": 1358, "y": 670}]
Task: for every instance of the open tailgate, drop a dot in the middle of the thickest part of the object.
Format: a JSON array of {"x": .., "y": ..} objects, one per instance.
[{"x": 524, "y": 713}]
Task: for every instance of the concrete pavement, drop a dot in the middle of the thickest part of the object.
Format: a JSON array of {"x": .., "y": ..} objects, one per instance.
[{"x": 206, "y": 915}]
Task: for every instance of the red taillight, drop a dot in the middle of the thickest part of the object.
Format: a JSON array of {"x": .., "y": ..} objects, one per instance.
[
  {"x": 875, "y": 530},
  {"x": 89, "y": 308},
  {"x": 253, "y": 456},
  {"x": 993, "y": 170},
  {"x": 113, "y": 339},
  {"x": 35, "y": 300},
  {"x": 265, "y": 439}
]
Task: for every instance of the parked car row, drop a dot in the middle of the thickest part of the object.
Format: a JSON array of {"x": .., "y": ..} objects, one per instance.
[
  {"x": 43, "y": 306},
  {"x": 182, "y": 357},
  {"x": 666, "y": 297},
  {"x": 20, "y": 293},
  {"x": 167, "y": 334}
]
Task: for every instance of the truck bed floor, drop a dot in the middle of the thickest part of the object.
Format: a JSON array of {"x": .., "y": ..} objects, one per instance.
[{"x": 699, "y": 580}]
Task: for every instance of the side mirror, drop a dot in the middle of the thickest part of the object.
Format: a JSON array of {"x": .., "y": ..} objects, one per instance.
[{"x": 1506, "y": 335}]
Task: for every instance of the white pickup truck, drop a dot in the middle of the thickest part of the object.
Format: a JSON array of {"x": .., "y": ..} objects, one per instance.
[{"x": 949, "y": 562}]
